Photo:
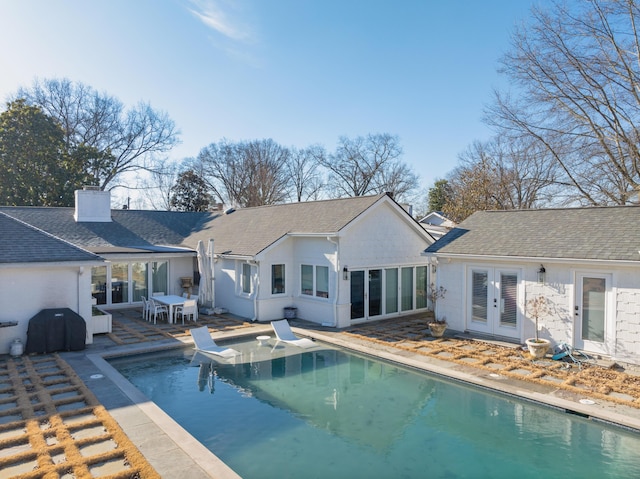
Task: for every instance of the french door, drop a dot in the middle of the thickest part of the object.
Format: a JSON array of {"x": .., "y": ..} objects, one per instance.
[
  {"x": 366, "y": 293},
  {"x": 592, "y": 292},
  {"x": 492, "y": 303}
]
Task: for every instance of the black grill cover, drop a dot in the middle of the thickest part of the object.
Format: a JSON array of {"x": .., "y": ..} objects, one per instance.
[{"x": 53, "y": 330}]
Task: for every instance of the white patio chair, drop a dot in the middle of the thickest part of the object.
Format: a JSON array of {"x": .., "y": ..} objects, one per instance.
[
  {"x": 158, "y": 309},
  {"x": 189, "y": 308},
  {"x": 146, "y": 308}
]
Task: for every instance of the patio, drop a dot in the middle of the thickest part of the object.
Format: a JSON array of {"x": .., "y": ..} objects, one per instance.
[{"x": 55, "y": 418}]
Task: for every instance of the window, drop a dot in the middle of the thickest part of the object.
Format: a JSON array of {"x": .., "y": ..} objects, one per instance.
[
  {"x": 391, "y": 290},
  {"x": 277, "y": 279},
  {"x": 139, "y": 274},
  {"x": 159, "y": 277},
  {"x": 406, "y": 289},
  {"x": 421, "y": 287},
  {"x": 306, "y": 272},
  {"x": 246, "y": 278},
  {"x": 99, "y": 284},
  {"x": 322, "y": 281},
  {"x": 120, "y": 283},
  {"x": 314, "y": 280}
]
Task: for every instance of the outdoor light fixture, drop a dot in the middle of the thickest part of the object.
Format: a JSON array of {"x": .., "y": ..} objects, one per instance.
[
  {"x": 345, "y": 273},
  {"x": 541, "y": 274}
]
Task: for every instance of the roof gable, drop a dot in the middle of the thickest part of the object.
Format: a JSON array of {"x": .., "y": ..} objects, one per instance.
[
  {"x": 248, "y": 231},
  {"x": 597, "y": 233}
]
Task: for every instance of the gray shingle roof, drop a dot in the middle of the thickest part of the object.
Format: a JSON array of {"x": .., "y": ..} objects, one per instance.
[
  {"x": 21, "y": 243},
  {"x": 598, "y": 233},
  {"x": 130, "y": 230},
  {"x": 248, "y": 231},
  {"x": 245, "y": 232}
]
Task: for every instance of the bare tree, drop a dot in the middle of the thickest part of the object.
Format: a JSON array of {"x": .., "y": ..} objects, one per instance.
[
  {"x": 500, "y": 174},
  {"x": 303, "y": 169},
  {"x": 112, "y": 140},
  {"x": 368, "y": 165},
  {"x": 246, "y": 174},
  {"x": 576, "y": 68}
]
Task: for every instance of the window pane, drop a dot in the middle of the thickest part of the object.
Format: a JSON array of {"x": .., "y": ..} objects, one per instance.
[
  {"x": 322, "y": 281},
  {"x": 391, "y": 291},
  {"x": 306, "y": 272},
  {"x": 421, "y": 287},
  {"x": 246, "y": 278},
  {"x": 139, "y": 278},
  {"x": 99, "y": 284},
  {"x": 479, "y": 291},
  {"x": 407, "y": 289},
  {"x": 277, "y": 278},
  {"x": 508, "y": 299},
  {"x": 159, "y": 277},
  {"x": 593, "y": 308},
  {"x": 119, "y": 283}
]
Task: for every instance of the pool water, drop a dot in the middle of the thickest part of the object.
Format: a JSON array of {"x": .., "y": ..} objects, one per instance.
[{"x": 330, "y": 413}]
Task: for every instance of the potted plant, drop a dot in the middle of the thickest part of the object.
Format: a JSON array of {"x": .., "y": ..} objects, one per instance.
[
  {"x": 437, "y": 326},
  {"x": 537, "y": 307}
]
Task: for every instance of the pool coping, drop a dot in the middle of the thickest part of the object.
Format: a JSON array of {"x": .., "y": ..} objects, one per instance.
[{"x": 161, "y": 428}]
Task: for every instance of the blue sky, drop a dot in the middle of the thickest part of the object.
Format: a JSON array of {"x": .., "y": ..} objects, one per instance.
[{"x": 301, "y": 72}]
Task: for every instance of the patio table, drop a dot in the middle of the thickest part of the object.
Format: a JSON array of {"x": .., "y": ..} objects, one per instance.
[{"x": 170, "y": 300}]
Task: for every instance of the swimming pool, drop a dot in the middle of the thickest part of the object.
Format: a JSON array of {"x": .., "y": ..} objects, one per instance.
[{"x": 328, "y": 412}]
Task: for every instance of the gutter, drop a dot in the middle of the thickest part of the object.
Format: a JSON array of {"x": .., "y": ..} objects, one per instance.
[{"x": 532, "y": 259}]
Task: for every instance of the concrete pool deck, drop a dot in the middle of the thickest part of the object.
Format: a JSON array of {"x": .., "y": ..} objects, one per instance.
[{"x": 604, "y": 393}]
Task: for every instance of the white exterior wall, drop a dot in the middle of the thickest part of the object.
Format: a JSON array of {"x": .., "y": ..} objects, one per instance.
[
  {"x": 25, "y": 291},
  {"x": 226, "y": 289},
  {"x": 317, "y": 252},
  {"x": 559, "y": 325},
  {"x": 380, "y": 238}
]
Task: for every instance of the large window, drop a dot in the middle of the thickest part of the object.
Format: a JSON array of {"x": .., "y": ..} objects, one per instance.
[
  {"x": 120, "y": 283},
  {"x": 277, "y": 279},
  {"x": 407, "y": 289},
  {"x": 306, "y": 272},
  {"x": 99, "y": 284},
  {"x": 314, "y": 280},
  {"x": 160, "y": 277},
  {"x": 246, "y": 278},
  {"x": 139, "y": 275},
  {"x": 421, "y": 287},
  {"x": 391, "y": 290}
]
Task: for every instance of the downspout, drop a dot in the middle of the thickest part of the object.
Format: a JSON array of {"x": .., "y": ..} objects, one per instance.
[
  {"x": 337, "y": 276},
  {"x": 256, "y": 283}
]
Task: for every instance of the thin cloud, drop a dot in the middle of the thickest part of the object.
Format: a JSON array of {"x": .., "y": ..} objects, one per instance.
[{"x": 218, "y": 16}]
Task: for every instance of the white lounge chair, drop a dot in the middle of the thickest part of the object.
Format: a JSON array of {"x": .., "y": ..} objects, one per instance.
[
  {"x": 284, "y": 334},
  {"x": 204, "y": 343}
]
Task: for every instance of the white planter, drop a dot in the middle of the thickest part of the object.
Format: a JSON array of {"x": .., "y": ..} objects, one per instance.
[
  {"x": 101, "y": 323},
  {"x": 538, "y": 349}
]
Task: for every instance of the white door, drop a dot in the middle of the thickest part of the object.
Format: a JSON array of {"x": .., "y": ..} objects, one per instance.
[
  {"x": 592, "y": 320},
  {"x": 493, "y": 301}
]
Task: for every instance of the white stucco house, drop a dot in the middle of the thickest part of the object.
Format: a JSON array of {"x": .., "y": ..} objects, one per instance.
[
  {"x": 331, "y": 260},
  {"x": 584, "y": 261},
  {"x": 338, "y": 262}
]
